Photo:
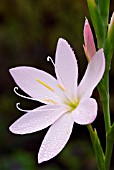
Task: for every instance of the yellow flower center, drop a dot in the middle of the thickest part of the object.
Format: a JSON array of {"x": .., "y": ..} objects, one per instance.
[{"x": 72, "y": 105}]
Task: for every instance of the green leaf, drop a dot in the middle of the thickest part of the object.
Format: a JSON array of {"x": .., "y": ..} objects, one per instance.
[
  {"x": 110, "y": 133},
  {"x": 97, "y": 22},
  {"x": 104, "y": 10},
  {"x": 109, "y": 146},
  {"x": 102, "y": 91},
  {"x": 109, "y": 44},
  {"x": 97, "y": 148}
]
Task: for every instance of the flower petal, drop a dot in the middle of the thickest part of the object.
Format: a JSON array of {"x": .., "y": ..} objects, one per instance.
[
  {"x": 93, "y": 75},
  {"x": 36, "y": 83},
  {"x": 56, "y": 138},
  {"x": 37, "y": 119},
  {"x": 66, "y": 67},
  {"x": 86, "y": 111}
]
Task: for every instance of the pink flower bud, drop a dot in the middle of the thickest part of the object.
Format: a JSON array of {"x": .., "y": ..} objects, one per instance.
[{"x": 89, "y": 45}]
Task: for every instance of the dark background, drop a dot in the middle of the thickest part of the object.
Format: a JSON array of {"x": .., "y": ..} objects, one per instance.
[{"x": 29, "y": 31}]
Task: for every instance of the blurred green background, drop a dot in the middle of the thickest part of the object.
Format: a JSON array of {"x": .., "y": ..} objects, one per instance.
[{"x": 29, "y": 30}]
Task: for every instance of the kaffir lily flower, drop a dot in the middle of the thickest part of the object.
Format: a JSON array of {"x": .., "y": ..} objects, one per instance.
[
  {"x": 66, "y": 102},
  {"x": 89, "y": 45}
]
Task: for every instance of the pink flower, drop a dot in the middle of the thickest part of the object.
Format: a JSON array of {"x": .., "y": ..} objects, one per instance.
[
  {"x": 89, "y": 46},
  {"x": 65, "y": 101}
]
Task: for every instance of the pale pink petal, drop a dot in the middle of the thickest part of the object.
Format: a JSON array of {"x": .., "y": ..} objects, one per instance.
[
  {"x": 86, "y": 111},
  {"x": 56, "y": 138},
  {"x": 89, "y": 45},
  {"x": 37, "y": 119},
  {"x": 93, "y": 75},
  {"x": 26, "y": 78},
  {"x": 66, "y": 67}
]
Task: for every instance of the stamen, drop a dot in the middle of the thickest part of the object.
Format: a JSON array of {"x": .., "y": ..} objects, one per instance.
[
  {"x": 60, "y": 87},
  {"x": 25, "y": 97},
  {"x": 50, "y": 59},
  {"x": 17, "y": 106},
  {"x": 44, "y": 84},
  {"x": 50, "y": 100},
  {"x": 70, "y": 99}
]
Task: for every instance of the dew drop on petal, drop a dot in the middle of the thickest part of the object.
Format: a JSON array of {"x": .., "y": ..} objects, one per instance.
[{"x": 56, "y": 138}]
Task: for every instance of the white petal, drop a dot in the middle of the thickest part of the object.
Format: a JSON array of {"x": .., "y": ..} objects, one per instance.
[
  {"x": 93, "y": 75},
  {"x": 37, "y": 119},
  {"x": 56, "y": 138},
  {"x": 26, "y": 78},
  {"x": 86, "y": 111},
  {"x": 66, "y": 67}
]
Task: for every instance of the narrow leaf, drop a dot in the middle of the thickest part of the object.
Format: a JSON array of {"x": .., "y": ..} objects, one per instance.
[
  {"x": 104, "y": 10},
  {"x": 109, "y": 44},
  {"x": 97, "y": 22},
  {"x": 110, "y": 134},
  {"x": 97, "y": 148}
]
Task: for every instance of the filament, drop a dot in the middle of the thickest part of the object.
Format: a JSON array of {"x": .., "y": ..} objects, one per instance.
[
  {"x": 20, "y": 95},
  {"x": 50, "y": 59},
  {"x": 22, "y": 110},
  {"x": 60, "y": 86},
  {"x": 44, "y": 84},
  {"x": 49, "y": 100}
]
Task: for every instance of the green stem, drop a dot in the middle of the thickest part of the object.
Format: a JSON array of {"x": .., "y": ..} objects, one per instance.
[
  {"x": 108, "y": 154},
  {"x": 99, "y": 11},
  {"x": 104, "y": 94},
  {"x": 103, "y": 89}
]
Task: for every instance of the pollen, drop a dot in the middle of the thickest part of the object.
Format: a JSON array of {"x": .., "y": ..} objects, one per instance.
[{"x": 45, "y": 85}]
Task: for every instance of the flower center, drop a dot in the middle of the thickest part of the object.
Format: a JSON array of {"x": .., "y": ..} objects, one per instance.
[{"x": 72, "y": 105}]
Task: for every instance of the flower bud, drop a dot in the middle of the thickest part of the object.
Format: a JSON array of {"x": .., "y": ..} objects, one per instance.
[{"x": 89, "y": 45}]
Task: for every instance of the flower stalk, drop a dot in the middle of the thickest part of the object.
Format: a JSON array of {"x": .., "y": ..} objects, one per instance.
[{"x": 99, "y": 14}]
